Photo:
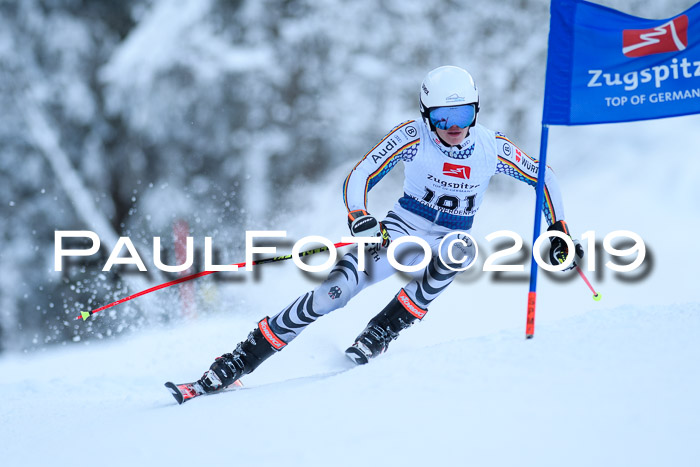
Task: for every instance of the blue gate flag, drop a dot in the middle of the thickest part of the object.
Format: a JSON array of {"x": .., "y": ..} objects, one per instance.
[{"x": 605, "y": 66}]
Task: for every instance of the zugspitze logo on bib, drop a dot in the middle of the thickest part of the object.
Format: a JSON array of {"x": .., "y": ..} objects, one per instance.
[
  {"x": 457, "y": 171},
  {"x": 669, "y": 37}
]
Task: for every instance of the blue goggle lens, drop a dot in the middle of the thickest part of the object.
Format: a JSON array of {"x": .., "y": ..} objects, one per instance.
[{"x": 460, "y": 115}]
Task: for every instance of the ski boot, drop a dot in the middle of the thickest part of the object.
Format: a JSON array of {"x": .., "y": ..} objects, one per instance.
[
  {"x": 399, "y": 314},
  {"x": 248, "y": 355}
]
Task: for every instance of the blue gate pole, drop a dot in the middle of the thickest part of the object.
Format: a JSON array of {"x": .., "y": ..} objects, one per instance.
[{"x": 539, "y": 199}]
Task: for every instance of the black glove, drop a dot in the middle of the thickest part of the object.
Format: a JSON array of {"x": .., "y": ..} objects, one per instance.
[
  {"x": 558, "y": 250},
  {"x": 362, "y": 224}
]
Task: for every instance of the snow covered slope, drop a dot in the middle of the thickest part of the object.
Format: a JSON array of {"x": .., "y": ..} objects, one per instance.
[
  {"x": 612, "y": 387},
  {"x": 604, "y": 388}
]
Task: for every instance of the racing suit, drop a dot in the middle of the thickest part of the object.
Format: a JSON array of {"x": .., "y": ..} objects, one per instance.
[{"x": 443, "y": 189}]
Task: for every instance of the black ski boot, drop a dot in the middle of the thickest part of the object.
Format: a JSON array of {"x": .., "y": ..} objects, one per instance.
[
  {"x": 399, "y": 314},
  {"x": 249, "y": 354}
]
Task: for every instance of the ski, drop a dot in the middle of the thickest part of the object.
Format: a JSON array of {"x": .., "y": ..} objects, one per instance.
[{"x": 186, "y": 391}]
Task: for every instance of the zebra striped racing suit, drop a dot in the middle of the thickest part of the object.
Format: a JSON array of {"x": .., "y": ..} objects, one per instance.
[{"x": 443, "y": 189}]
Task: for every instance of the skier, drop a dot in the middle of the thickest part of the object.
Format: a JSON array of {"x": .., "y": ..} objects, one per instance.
[{"x": 448, "y": 160}]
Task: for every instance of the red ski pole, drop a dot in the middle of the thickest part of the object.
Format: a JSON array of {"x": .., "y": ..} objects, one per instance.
[
  {"x": 86, "y": 314},
  {"x": 596, "y": 295}
]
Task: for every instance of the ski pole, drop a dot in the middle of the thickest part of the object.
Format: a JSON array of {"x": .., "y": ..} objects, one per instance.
[
  {"x": 86, "y": 314},
  {"x": 596, "y": 295}
]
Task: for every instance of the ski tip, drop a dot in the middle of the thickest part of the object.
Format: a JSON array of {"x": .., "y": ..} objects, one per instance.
[{"x": 175, "y": 392}]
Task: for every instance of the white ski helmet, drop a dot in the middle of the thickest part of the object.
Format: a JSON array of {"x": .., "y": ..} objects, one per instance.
[{"x": 447, "y": 86}]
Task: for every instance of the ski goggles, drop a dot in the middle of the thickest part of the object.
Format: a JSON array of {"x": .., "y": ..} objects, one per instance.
[{"x": 445, "y": 117}]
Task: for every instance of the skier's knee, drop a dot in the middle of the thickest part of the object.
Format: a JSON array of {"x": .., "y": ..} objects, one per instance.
[
  {"x": 331, "y": 295},
  {"x": 458, "y": 253}
]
